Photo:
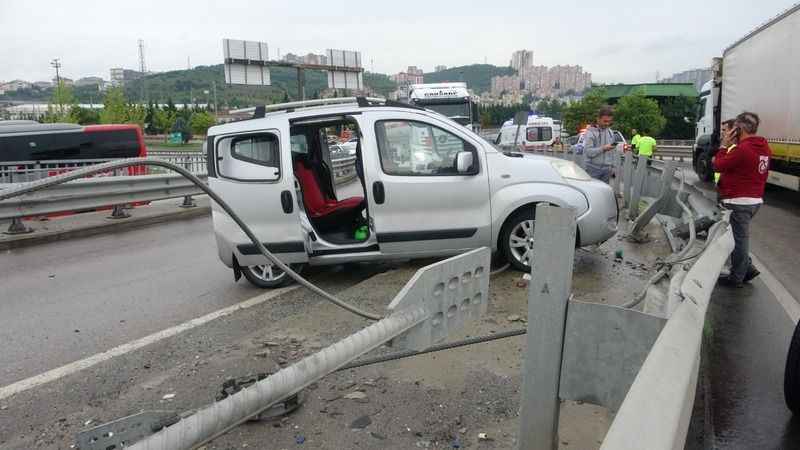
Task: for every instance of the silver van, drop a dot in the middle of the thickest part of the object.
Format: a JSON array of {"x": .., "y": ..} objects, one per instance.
[{"x": 423, "y": 186}]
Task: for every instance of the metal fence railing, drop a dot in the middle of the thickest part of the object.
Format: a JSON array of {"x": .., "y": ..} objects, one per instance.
[{"x": 27, "y": 171}]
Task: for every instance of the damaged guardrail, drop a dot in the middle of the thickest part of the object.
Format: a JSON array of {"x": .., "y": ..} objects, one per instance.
[
  {"x": 121, "y": 188},
  {"x": 439, "y": 298},
  {"x": 661, "y": 398},
  {"x": 92, "y": 193}
]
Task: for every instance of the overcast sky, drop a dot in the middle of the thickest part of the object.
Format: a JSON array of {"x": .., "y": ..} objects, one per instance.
[{"x": 616, "y": 40}]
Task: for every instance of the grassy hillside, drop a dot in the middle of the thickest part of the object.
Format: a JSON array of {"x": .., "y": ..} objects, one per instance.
[{"x": 477, "y": 76}]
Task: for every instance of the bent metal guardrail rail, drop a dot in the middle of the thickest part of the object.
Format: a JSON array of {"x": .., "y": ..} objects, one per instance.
[
  {"x": 114, "y": 188},
  {"x": 92, "y": 193}
]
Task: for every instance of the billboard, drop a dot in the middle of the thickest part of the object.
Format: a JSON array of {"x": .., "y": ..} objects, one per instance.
[
  {"x": 252, "y": 75},
  {"x": 245, "y": 50},
  {"x": 350, "y": 79},
  {"x": 244, "y": 62}
]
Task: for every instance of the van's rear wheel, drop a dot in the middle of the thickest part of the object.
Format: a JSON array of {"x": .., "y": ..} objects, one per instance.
[
  {"x": 516, "y": 239},
  {"x": 269, "y": 276}
]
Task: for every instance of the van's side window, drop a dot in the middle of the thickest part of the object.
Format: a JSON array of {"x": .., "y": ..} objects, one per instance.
[
  {"x": 262, "y": 149},
  {"x": 251, "y": 157},
  {"x": 415, "y": 148}
]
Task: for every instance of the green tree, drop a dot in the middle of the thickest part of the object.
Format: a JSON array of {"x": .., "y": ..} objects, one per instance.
[
  {"x": 676, "y": 110},
  {"x": 201, "y": 122},
  {"x": 181, "y": 126},
  {"x": 84, "y": 116},
  {"x": 136, "y": 114},
  {"x": 61, "y": 104},
  {"x": 552, "y": 108},
  {"x": 163, "y": 120},
  {"x": 115, "y": 107},
  {"x": 635, "y": 111},
  {"x": 578, "y": 114}
]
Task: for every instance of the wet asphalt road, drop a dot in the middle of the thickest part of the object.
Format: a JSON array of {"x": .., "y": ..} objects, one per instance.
[
  {"x": 64, "y": 301},
  {"x": 748, "y": 334}
]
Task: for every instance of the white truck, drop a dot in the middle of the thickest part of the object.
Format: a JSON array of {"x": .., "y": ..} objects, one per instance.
[
  {"x": 449, "y": 99},
  {"x": 759, "y": 73}
]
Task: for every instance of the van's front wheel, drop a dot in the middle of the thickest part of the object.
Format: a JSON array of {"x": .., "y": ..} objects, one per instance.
[
  {"x": 269, "y": 276},
  {"x": 516, "y": 239}
]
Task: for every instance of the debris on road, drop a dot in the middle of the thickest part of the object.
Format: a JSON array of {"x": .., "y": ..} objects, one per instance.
[
  {"x": 357, "y": 395},
  {"x": 516, "y": 318},
  {"x": 361, "y": 423}
]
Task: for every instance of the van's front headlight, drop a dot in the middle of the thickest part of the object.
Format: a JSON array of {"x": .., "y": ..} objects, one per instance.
[{"x": 570, "y": 170}]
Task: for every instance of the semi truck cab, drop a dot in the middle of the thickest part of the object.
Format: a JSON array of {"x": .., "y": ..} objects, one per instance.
[{"x": 452, "y": 100}]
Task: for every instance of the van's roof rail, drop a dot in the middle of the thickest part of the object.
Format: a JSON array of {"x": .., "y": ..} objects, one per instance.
[
  {"x": 362, "y": 102},
  {"x": 308, "y": 104}
]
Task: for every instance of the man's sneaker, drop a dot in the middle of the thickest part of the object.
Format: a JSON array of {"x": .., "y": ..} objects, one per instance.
[
  {"x": 751, "y": 275},
  {"x": 727, "y": 281}
]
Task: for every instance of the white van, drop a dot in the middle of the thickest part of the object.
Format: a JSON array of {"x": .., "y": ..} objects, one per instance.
[
  {"x": 425, "y": 187},
  {"x": 538, "y": 134}
]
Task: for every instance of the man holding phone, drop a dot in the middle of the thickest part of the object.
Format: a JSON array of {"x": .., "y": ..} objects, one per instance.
[
  {"x": 599, "y": 145},
  {"x": 743, "y": 163}
]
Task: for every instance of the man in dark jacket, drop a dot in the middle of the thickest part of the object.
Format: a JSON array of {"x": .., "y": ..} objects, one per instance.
[{"x": 743, "y": 162}]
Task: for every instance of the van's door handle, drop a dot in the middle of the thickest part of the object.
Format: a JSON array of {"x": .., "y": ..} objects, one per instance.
[
  {"x": 286, "y": 202},
  {"x": 378, "y": 193}
]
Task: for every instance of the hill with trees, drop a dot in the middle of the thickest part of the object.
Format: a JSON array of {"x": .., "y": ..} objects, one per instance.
[{"x": 190, "y": 86}]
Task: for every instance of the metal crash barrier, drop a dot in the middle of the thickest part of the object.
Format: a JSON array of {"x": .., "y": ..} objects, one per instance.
[{"x": 114, "y": 189}]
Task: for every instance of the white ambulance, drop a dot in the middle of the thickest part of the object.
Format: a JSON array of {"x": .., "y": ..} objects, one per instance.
[{"x": 539, "y": 133}]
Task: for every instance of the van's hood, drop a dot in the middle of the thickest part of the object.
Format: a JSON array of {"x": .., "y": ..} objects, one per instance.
[{"x": 523, "y": 168}]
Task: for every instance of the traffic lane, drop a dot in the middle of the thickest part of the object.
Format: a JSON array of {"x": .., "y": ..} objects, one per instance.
[
  {"x": 774, "y": 236},
  {"x": 748, "y": 342},
  {"x": 475, "y": 388},
  {"x": 68, "y": 300}
]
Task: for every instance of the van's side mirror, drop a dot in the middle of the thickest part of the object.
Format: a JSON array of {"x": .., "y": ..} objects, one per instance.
[{"x": 464, "y": 162}]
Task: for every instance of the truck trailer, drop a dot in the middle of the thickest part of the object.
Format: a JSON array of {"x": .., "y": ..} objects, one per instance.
[{"x": 760, "y": 73}]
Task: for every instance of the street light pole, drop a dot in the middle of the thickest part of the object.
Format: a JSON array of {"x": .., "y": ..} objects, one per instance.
[
  {"x": 56, "y": 64},
  {"x": 214, "y": 88}
]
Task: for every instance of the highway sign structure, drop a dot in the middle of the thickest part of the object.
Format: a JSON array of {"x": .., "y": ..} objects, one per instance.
[{"x": 248, "y": 63}]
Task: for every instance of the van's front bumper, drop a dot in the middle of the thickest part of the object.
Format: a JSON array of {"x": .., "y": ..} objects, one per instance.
[{"x": 600, "y": 222}]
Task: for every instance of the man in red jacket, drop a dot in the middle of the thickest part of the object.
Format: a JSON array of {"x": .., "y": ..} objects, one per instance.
[{"x": 743, "y": 162}]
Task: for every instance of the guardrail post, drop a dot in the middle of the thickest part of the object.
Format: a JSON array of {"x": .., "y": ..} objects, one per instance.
[
  {"x": 658, "y": 205},
  {"x": 617, "y": 173},
  {"x": 548, "y": 294},
  {"x": 18, "y": 227},
  {"x": 638, "y": 185},
  {"x": 627, "y": 178},
  {"x": 188, "y": 202},
  {"x": 119, "y": 212}
]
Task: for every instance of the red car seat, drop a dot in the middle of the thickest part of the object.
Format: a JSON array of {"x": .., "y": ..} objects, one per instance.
[{"x": 321, "y": 210}]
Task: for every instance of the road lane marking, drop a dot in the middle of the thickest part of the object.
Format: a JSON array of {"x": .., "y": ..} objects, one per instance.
[
  {"x": 60, "y": 372},
  {"x": 785, "y": 298}
]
